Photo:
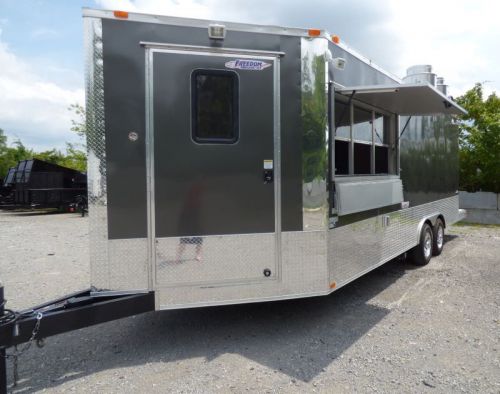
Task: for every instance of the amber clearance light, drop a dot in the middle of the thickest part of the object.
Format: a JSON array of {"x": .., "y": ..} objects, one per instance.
[{"x": 121, "y": 14}]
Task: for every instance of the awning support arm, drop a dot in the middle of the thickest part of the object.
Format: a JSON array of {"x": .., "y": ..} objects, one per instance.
[
  {"x": 404, "y": 128},
  {"x": 341, "y": 118}
]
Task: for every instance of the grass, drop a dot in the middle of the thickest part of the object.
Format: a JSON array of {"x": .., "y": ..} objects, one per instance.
[{"x": 476, "y": 225}]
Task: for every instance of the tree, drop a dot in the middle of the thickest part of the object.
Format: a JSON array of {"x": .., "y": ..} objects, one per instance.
[
  {"x": 78, "y": 125},
  {"x": 3, "y": 141},
  {"x": 4, "y": 166},
  {"x": 77, "y": 158},
  {"x": 480, "y": 141},
  {"x": 73, "y": 157},
  {"x": 11, "y": 155}
]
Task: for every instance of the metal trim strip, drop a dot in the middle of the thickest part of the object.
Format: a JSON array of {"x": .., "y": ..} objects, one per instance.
[
  {"x": 107, "y": 293},
  {"x": 150, "y": 168},
  {"x": 277, "y": 168},
  {"x": 193, "y": 48}
]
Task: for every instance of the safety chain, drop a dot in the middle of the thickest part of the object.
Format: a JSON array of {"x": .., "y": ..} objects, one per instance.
[{"x": 17, "y": 353}]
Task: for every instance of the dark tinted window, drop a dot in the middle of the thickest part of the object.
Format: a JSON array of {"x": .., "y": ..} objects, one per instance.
[
  {"x": 215, "y": 106},
  {"x": 362, "y": 158},
  {"x": 341, "y": 157},
  {"x": 20, "y": 171},
  {"x": 381, "y": 160},
  {"x": 10, "y": 176}
]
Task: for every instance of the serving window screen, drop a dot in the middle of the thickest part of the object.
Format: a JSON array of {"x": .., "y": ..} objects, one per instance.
[
  {"x": 381, "y": 128},
  {"x": 363, "y": 140},
  {"x": 362, "y": 125},
  {"x": 215, "y": 109},
  {"x": 342, "y": 120}
]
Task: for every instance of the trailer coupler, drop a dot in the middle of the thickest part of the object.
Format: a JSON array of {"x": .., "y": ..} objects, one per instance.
[{"x": 72, "y": 312}]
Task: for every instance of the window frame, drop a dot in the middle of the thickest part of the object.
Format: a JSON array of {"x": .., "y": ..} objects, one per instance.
[{"x": 235, "y": 107}]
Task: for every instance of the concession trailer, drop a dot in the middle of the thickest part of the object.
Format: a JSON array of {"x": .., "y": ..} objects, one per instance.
[{"x": 268, "y": 163}]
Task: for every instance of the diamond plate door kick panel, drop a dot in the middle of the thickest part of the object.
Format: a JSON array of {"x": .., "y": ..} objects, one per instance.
[
  {"x": 216, "y": 259},
  {"x": 360, "y": 247},
  {"x": 303, "y": 273}
]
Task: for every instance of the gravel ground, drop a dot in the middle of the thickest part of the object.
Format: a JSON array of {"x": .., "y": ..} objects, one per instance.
[{"x": 397, "y": 329}]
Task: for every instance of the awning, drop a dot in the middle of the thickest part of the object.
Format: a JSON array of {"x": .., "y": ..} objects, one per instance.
[{"x": 411, "y": 99}]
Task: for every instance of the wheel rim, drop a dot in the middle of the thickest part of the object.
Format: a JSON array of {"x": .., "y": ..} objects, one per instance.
[
  {"x": 427, "y": 244},
  {"x": 440, "y": 237}
]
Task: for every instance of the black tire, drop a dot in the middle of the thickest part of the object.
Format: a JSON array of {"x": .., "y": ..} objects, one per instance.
[
  {"x": 422, "y": 253},
  {"x": 438, "y": 238}
]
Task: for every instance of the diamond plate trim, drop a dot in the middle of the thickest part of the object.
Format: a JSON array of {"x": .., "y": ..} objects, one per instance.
[
  {"x": 96, "y": 154},
  {"x": 128, "y": 264},
  {"x": 215, "y": 259},
  {"x": 360, "y": 247},
  {"x": 303, "y": 273},
  {"x": 352, "y": 251}
]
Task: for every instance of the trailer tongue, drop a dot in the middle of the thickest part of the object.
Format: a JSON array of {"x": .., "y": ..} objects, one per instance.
[{"x": 72, "y": 312}]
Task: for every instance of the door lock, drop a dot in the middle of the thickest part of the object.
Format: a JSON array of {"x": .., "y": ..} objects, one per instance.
[{"x": 268, "y": 176}]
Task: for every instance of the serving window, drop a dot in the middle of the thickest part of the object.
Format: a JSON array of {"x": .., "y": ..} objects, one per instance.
[{"x": 364, "y": 140}]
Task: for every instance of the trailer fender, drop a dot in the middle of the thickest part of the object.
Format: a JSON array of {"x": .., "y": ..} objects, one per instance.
[
  {"x": 441, "y": 216},
  {"x": 431, "y": 219}
]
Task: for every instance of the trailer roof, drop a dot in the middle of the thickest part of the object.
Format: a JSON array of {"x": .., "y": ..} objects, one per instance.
[
  {"x": 235, "y": 26},
  {"x": 407, "y": 99}
]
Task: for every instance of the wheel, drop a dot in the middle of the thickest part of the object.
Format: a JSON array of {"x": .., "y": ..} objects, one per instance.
[
  {"x": 422, "y": 253},
  {"x": 438, "y": 240}
]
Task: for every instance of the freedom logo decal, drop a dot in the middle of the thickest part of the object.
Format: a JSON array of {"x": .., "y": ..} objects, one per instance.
[{"x": 253, "y": 65}]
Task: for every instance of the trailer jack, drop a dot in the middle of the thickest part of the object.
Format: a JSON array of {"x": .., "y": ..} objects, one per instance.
[{"x": 68, "y": 313}]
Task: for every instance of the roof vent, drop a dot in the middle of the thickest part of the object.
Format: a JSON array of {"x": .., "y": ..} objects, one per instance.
[
  {"x": 420, "y": 73},
  {"x": 441, "y": 86}
]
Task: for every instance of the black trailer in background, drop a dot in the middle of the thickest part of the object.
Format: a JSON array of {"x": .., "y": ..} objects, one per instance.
[
  {"x": 35, "y": 183},
  {"x": 6, "y": 196}
]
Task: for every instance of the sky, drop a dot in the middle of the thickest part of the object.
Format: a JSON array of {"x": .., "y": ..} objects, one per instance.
[{"x": 41, "y": 46}]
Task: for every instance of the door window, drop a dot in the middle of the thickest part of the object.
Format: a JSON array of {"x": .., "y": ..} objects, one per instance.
[{"x": 215, "y": 109}]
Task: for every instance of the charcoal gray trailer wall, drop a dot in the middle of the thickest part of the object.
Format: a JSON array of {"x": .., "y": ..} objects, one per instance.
[{"x": 124, "y": 95}]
